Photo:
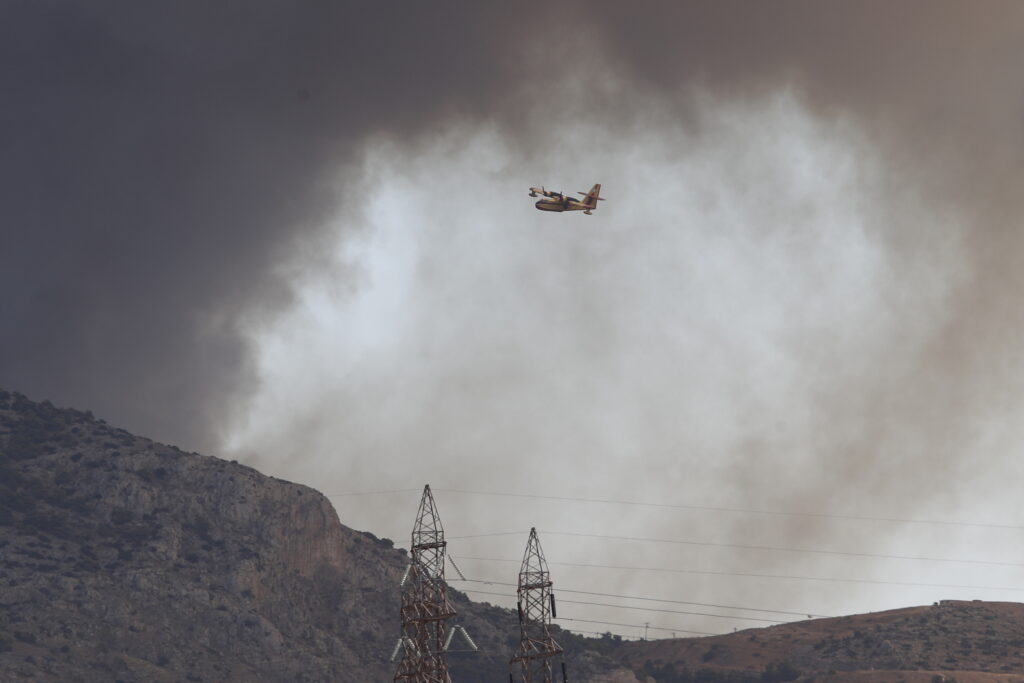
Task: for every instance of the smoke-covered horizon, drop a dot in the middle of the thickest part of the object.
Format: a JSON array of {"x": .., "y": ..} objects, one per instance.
[{"x": 300, "y": 236}]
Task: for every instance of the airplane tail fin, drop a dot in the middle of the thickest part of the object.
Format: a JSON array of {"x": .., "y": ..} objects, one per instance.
[{"x": 591, "y": 198}]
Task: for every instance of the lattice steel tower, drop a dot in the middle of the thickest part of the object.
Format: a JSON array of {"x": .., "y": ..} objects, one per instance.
[
  {"x": 425, "y": 605},
  {"x": 532, "y": 659}
]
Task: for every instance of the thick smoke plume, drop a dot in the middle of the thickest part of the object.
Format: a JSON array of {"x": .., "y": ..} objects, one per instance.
[
  {"x": 161, "y": 163},
  {"x": 295, "y": 233}
]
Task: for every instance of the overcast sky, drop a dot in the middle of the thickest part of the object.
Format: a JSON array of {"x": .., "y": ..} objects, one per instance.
[{"x": 299, "y": 235}]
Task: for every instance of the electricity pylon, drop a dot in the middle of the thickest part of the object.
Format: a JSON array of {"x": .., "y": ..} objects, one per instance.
[
  {"x": 425, "y": 605},
  {"x": 536, "y": 609}
]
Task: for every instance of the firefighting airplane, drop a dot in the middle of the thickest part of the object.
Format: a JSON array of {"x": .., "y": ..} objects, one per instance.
[{"x": 556, "y": 201}]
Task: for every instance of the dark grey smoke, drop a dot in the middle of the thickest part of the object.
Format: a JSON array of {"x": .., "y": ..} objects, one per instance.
[{"x": 161, "y": 161}]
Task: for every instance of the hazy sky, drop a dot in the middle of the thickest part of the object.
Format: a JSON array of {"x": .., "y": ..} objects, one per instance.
[{"x": 299, "y": 235}]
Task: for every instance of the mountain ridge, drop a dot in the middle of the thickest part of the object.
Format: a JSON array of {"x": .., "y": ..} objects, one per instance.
[{"x": 122, "y": 559}]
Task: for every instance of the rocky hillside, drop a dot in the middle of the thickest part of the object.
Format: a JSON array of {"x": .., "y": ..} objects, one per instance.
[
  {"x": 126, "y": 560},
  {"x": 122, "y": 559}
]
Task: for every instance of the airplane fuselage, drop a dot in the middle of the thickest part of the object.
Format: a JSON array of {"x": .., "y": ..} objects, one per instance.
[{"x": 555, "y": 204}]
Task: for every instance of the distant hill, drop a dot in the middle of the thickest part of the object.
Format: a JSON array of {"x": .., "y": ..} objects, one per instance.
[
  {"x": 966, "y": 642},
  {"x": 122, "y": 559}
]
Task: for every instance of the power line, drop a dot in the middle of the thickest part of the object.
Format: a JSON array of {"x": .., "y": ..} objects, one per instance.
[
  {"x": 674, "y": 611},
  {"x": 762, "y": 576},
  {"x": 709, "y": 508},
  {"x": 741, "y": 546},
  {"x": 493, "y": 533},
  {"x": 601, "y": 633},
  {"x": 650, "y": 599},
  {"x": 644, "y": 609},
  {"x": 500, "y": 595},
  {"x": 655, "y": 628},
  {"x": 642, "y": 539},
  {"x": 863, "y": 518},
  {"x": 370, "y": 493}
]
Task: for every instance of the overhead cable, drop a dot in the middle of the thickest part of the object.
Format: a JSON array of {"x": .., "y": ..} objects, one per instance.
[
  {"x": 843, "y": 553},
  {"x": 653, "y": 628},
  {"x": 650, "y": 599},
  {"x": 708, "y": 508},
  {"x": 643, "y": 609},
  {"x": 761, "y": 576}
]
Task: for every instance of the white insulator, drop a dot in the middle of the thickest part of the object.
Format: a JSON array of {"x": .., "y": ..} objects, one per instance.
[
  {"x": 456, "y": 568},
  {"x": 465, "y": 634}
]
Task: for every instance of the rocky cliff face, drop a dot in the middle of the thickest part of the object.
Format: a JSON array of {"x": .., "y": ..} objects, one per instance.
[
  {"x": 126, "y": 559},
  {"x": 122, "y": 559}
]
